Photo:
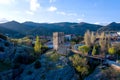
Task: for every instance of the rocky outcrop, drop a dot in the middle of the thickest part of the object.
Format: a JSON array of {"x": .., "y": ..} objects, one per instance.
[
  {"x": 6, "y": 49},
  {"x": 49, "y": 71},
  {"x": 66, "y": 73},
  {"x": 41, "y": 69}
]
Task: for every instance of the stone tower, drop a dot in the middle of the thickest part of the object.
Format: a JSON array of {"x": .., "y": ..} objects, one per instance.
[{"x": 58, "y": 42}]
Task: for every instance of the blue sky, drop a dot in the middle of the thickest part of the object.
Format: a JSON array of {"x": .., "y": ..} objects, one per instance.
[{"x": 91, "y": 11}]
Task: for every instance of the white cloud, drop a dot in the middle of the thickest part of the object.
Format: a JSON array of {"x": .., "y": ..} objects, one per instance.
[
  {"x": 61, "y": 13},
  {"x": 80, "y": 19},
  {"x": 66, "y": 14},
  {"x": 52, "y": 9},
  {"x": 3, "y": 20},
  {"x": 6, "y": 1},
  {"x": 51, "y": 1},
  {"x": 30, "y": 12},
  {"x": 97, "y": 23},
  {"x": 34, "y": 5}
]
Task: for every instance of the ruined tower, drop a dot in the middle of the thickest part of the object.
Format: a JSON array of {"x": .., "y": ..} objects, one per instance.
[{"x": 58, "y": 42}]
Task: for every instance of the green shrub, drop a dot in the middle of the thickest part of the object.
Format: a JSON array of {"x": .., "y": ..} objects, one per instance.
[
  {"x": 80, "y": 64},
  {"x": 4, "y": 66},
  {"x": 7, "y": 44},
  {"x": 1, "y": 49},
  {"x": 3, "y": 37},
  {"x": 112, "y": 50},
  {"x": 37, "y": 65},
  {"x": 84, "y": 49},
  {"x": 15, "y": 65},
  {"x": 53, "y": 56},
  {"x": 94, "y": 51},
  {"x": 29, "y": 72}
]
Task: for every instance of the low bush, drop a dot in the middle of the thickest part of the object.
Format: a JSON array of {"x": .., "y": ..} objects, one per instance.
[
  {"x": 37, "y": 65},
  {"x": 3, "y": 37},
  {"x": 1, "y": 49},
  {"x": 29, "y": 72},
  {"x": 84, "y": 49}
]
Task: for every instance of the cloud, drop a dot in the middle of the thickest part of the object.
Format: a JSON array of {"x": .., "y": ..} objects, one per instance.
[
  {"x": 30, "y": 12},
  {"x": 52, "y": 9},
  {"x": 61, "y": 13},
  {"x": 51, "y": 1},
  {"x": 66, "y": 14},
  {"x": 34, "y": 5},
  {"x": 97, "y": 23},
  {"x": 6, "y": 2},
  {"x": 80, "y": 19},
  {"x": 3, "y": 20}
]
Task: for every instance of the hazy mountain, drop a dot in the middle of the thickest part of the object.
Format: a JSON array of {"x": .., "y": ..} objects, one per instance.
[
  {"x": 68, "y": 28},
  {"x": 3, "y": 20},
  {"x": 110, "y": 27},
  {"x": 32, "y": 28},
  {"x": 10, "y": 33},
  {"x": 6, "y": 31},
  {"x": 15, "y": 26}
]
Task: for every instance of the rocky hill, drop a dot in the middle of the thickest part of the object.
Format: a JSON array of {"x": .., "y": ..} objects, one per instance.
[{"x": 110, "y": 27}]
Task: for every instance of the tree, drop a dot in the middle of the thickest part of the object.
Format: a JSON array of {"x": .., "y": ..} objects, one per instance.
[
  {"x": 108, "y": 41},
  {"x": 94, "y": 51},
  {"x": 97, "y": 34},
  {"x": 102, "y": 43},
  {"x": 93, "y": 38},
  {"x": 112, "y": 50},
  {"x": 38, "y": 46},
  {"x": 80, "y": 64},
  {"x": 117, "y": 48},
  {"x": 87, "y": 39}
]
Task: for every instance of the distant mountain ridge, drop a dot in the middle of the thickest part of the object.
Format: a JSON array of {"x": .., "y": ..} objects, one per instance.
[
  {"x": 66, "y": 27},
  {"x": 15, "y": 26},
  {"x": 110, "y": 27},
  {"x": 32, "y": 28}
]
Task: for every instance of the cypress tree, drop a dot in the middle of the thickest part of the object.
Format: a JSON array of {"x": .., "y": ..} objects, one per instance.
[
  {"x": 38, "y": 46},
  {"x": 94, "y": 51},
  {"x": 87, "y": 38}
]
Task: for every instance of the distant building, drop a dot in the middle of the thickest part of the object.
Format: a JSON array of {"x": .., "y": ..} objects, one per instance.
[
  {"x": 118, "y": 33},
  {"x": 68, "y": 37}
]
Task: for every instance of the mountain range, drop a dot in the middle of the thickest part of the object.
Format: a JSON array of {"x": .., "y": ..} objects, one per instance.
[{"x": 16, "y": 29}]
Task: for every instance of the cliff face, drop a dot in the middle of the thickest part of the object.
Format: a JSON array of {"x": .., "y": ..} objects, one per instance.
[{"x": 6, "y": 49}]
